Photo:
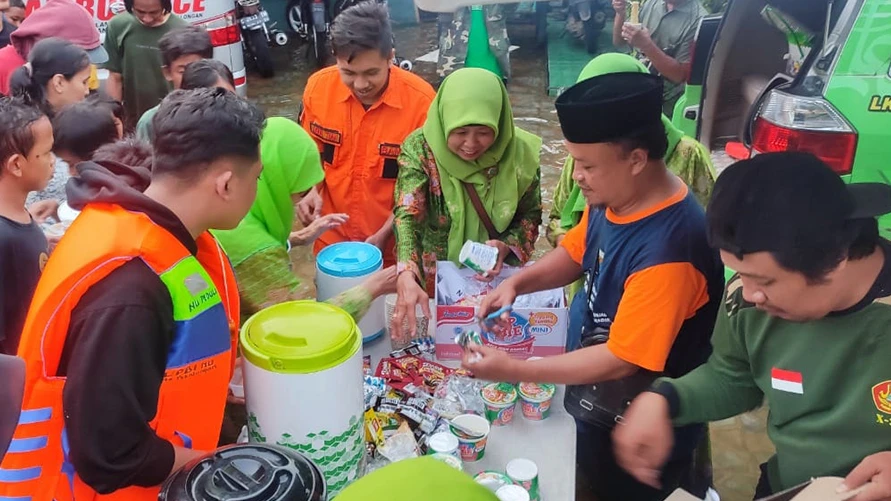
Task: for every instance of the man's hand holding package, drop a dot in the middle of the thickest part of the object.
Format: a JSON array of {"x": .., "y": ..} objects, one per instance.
[
  {"x": 875, "y": 473},
  {"x": 644, "y": 439}
]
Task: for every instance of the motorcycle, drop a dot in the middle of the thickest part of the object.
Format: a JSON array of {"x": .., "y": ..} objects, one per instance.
[
  {"x": 586, "y": 21},
  {"x": 311, "y": 19},
  {"x": 258, "y": 34}
]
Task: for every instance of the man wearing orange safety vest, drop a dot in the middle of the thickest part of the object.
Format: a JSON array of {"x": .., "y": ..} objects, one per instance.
[
  {"x": 130, "y": 340},
  {"x": 359, "y": 112}
]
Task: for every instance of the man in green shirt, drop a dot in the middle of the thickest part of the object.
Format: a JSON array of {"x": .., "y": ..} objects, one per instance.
[
  {"x": 806, "y": 326},
  {"x": 134, "y": 60},
  {"x": 663, "y": 39}
]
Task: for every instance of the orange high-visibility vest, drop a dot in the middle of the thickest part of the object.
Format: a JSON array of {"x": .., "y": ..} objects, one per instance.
[{"x": 199, "y": 365}]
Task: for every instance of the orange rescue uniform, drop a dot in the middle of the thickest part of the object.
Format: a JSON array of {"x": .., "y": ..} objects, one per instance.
[{"x": 359, "y": 149}]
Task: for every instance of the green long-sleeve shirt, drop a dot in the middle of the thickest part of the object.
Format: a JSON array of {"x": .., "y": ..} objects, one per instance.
[{"x": 827, "y": 382}]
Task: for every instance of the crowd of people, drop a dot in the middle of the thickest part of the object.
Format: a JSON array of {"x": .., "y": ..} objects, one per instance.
[{"x": 140, "y": 225}]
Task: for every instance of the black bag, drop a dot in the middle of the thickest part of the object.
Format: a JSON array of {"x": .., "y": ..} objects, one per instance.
[{"x": 603, "y": 404}]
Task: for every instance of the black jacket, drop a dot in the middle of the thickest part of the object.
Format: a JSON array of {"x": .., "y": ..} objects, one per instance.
[{"x": 116, "y": 351}]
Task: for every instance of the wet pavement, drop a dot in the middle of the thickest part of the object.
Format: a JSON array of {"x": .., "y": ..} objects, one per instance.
[{"x": 739, "y": 444}]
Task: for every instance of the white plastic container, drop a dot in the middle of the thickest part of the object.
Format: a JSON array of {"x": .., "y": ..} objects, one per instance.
[
  {"x": 302, "y": 364},
  {"x": 480, "y": 258},
  {"x": 342, "y": 266}
]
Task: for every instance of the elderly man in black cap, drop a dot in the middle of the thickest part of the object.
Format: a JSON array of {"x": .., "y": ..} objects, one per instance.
[{"x": 652, "y": 284}]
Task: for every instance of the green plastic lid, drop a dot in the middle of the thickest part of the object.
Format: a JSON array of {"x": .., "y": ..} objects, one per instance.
[{"x": 299, "y": 337}]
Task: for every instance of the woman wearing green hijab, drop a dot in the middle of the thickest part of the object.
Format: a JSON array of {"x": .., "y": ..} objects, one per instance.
[
  {"x": 258, "y": 246},
  {"x": 468, "y": 141},
  {"x": 418, "y": 479},
  {"x": 686, "y": 157}
]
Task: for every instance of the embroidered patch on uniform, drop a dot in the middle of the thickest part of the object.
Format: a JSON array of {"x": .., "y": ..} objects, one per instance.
[
  {"x": 195, "y": 284},
  {"x": 390, "y": 150},
  {"x": 881, "y": 396},
  {"x": 788, "y": 381},
  {"x": 327, "y": 135}
]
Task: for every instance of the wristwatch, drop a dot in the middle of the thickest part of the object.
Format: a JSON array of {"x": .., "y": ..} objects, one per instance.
[{"x": 668, "y": 391}]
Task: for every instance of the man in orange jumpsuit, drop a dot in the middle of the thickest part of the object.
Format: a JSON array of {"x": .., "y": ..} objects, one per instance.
[{"x": 359, "y": 112}]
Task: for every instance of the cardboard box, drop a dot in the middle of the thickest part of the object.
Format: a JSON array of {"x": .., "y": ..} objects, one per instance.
[
  {"x": 817, "y": 489},
  {"x": 535, "y": 331}
]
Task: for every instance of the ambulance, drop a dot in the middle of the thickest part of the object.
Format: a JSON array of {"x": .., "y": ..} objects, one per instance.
[{"x": 216, "y": 16}]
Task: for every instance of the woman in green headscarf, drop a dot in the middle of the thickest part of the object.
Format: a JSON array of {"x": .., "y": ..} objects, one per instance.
[
  {"x": 418, "y": 479},
  {"x": 469, "y": 139},
  {"x": 258, "y": 246},
  {"x": 686, "y": 157}
]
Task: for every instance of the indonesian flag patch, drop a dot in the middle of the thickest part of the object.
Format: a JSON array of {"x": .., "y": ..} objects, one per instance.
[{"x": 788, "y": 381}]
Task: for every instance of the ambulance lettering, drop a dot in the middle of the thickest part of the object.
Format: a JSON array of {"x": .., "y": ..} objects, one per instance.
[
  {"x": 102, "y": 10},
  {"x": 182, "y": 7}
]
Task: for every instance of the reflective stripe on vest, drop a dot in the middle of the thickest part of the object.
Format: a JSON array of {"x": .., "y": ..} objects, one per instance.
[{"x": 202, "y": 330}]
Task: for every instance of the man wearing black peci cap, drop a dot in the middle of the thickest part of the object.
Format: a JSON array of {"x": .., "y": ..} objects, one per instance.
[
  {"x": 653, "y": 285},
  {"x": 806, "y": 325}
]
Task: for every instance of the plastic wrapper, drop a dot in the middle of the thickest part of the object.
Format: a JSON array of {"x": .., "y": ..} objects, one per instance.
[
  {"x": 375, "y": 388},
  {"x": 374, "y": 428},
  {"x": 458, "y": 395},
  {"x": 454, "y": 289},
  {"x": 401, "y": 445}
]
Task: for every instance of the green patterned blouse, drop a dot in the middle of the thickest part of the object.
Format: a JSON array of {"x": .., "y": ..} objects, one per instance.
[{"x": 423, "y": 221}]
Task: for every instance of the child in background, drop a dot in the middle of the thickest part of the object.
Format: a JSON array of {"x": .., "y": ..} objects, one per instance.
[
  {"x": 26, "y": 165},
  {"x": 15, "y": 13},
  {"x": 80, "y": 129},
  {"x": 11, "y": 16},
  {"x": 130, "y": 151},
  {"x": 201, "y": 74},
  {"x": 179, "y": 48},
  {"x": 115, "y": 107},
  {"x": 55, "y": 76}
]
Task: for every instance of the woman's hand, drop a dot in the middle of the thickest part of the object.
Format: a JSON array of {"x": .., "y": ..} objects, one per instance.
[
  {"x": 382, "y": 282},
  {"x": 316, "y": 228},
  {"x": 503, "y": 252},
  {"x": 44, "y": 209},
  {"x": 409, "y": 294},
  {"x": 310, "y": 207}
]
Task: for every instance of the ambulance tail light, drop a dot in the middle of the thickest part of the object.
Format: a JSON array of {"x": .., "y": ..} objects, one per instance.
[
  {"x": 787, "y": 122},
  {"x": 223, "y": 30}
]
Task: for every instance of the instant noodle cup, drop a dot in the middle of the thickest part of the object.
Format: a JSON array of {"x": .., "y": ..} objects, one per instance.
[
  {"x": 472, "y": 447},
  {"x": 443, "y": 443},
  {"x": 492, "y": 480},
  {"x": 512, "y": 493},
  {"x": 449, "y": 460},
  {"x": 536, "y": 400},
  {"x": 524, "y": 473},
  {"x": 500, "y": 400}
]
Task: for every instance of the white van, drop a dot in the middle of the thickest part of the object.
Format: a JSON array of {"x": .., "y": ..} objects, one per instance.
[{"x": 216, "y": 16}]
